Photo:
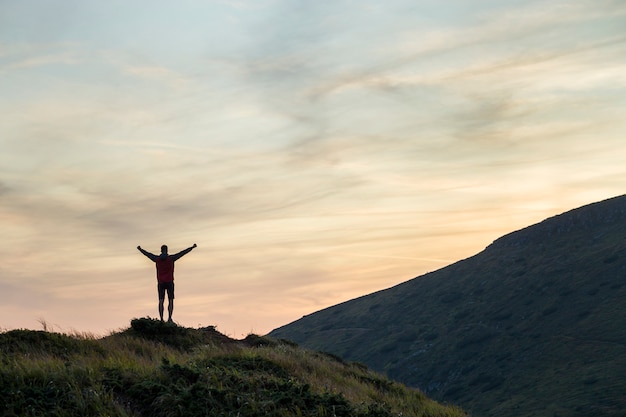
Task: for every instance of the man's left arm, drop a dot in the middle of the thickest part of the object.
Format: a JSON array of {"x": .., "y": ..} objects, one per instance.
[{"x": 183, "y": 252}]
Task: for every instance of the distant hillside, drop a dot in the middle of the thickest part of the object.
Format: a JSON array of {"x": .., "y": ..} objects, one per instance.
[
  {"x": 158, "y": 369},
  {"x": 535, "y": 325}
]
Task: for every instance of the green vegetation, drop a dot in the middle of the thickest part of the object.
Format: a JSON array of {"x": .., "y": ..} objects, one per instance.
[
  {"x": 533, "y": 326},
  {"x": 160, "y": 369}
]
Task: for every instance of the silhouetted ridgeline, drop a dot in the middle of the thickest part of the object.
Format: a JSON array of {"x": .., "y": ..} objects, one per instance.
[
  {"x": 585, "y": 220},
  {"x": 535, "y": 325}
]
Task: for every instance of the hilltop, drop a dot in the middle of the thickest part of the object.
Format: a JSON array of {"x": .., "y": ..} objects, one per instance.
[
  {"x": 159, "y": 369},
  {"x": 534, "y": 325}
]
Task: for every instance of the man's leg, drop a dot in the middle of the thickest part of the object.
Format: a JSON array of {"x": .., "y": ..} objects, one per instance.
[
  {"x": 161, "y": 300},
  {"x": 161, "y": 293},
  {"x": 170, "y": 299},
  {"x": 170, "y": 308}
]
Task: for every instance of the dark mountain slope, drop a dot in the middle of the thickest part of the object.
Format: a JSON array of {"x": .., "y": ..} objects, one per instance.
[{"x": 535, "y": 325}]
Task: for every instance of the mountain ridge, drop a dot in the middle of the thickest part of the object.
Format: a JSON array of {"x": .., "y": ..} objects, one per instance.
[
  {"x": 583, "y": 218},
  {"x": 532, "y": 325}
]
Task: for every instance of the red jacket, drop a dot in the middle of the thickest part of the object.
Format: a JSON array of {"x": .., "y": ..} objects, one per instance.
[{"x": 165, "y": 269}]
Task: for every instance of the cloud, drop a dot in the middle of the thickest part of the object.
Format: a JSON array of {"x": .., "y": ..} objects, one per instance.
[
  {"x": 315, "y": 152},
  {"x": 4, "y": 189},
  {"x": 159, "y": 74},
  {"x": 28, "y": 61},
  {"x": 537, "y": 34}
]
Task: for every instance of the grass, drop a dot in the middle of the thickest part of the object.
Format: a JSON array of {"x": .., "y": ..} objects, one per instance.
[{"x": 159, "y": 369}]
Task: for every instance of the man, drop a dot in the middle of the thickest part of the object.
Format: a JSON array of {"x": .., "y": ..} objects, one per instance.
[{"x": 165, "y": 275}]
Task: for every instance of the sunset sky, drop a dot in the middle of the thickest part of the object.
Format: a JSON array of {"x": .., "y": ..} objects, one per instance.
[{"x": 316, "y": 151}]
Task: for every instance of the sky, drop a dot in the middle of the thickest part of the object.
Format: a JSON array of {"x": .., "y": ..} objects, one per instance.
[{"x": 314, "y": 151}]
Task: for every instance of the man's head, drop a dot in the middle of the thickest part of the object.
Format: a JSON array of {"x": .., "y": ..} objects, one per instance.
[{"x": 164, "y": 249}]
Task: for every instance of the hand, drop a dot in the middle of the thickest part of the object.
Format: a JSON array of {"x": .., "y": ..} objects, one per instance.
[
  {"x": 139, "y": 247},
  {"x": 194, "y": 246}
]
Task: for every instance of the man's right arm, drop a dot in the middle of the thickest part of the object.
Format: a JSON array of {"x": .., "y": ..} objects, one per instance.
[{"x": 149, "y": 255}]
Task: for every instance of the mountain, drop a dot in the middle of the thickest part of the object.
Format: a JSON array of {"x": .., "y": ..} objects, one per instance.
[
  {"x": 534, "y": 325},
  {"x": 158, "y": 369}
]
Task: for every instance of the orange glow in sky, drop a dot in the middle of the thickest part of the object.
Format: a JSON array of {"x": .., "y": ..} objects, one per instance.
[{"x": 315, "y": 151}]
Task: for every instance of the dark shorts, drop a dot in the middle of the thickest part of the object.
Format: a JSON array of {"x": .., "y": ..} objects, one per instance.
[{"x": 166, "y": 286}]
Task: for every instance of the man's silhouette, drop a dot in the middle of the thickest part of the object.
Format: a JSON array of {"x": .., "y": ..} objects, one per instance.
[{"x": 165, "y": 275}]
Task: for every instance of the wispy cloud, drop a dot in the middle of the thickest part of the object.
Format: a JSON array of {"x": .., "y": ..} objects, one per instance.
[
  {"x": 315, "y": 152},
  {"x": 159, "y": 74}
]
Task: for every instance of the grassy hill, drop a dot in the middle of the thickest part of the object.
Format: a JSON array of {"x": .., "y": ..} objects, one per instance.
[
  {"x": 159, "y": 369},
  {"x": 535, "y": 325}
]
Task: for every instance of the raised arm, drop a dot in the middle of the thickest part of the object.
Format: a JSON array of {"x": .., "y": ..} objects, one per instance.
[
  {"x": 183, "y": 252},
  {"x": 149, "y": 255}
]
